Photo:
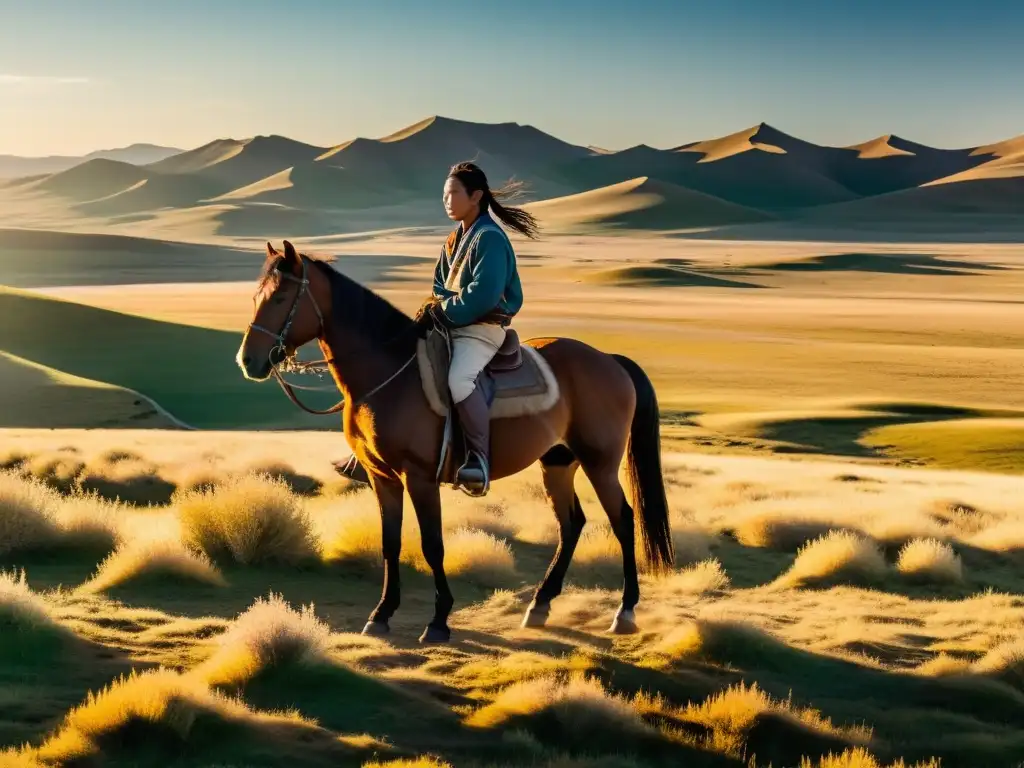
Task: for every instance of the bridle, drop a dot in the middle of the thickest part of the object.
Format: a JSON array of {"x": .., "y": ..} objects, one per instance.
[{"x": 287, "y": 359}]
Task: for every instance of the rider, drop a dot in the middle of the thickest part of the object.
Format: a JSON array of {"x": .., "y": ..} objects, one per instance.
[{"x": 476, "y": 294}]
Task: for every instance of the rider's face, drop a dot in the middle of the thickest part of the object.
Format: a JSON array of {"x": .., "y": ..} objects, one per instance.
[{"x": 458, "y": 204}]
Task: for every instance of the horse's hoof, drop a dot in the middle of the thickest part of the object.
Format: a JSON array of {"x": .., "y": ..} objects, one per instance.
[
  {"x": 536, "y": 616},
  {"x": 376, "y": 628},
  {"x": 434, "y": 634},
  {"x": 624, "y": 623}
]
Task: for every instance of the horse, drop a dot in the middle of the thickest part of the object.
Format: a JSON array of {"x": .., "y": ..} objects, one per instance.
[{"x": 606, "y": 409}]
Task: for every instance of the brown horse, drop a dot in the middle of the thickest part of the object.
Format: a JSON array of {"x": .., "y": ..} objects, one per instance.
[{"x": 606, "y": 405}]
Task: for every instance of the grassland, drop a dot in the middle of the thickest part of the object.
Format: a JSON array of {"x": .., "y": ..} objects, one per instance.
[{"x": 818, "y": 607}]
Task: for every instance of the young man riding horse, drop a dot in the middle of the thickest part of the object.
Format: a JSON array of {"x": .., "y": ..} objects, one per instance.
[{"x": 476, "y": 294}]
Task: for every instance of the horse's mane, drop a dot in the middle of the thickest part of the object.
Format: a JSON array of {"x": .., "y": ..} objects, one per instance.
[{"x": 354, "y": 306}]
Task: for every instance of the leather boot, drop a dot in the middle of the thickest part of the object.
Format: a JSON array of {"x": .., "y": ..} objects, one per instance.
[
  {"x": 352, "y": 469},
  {"x": 475, "y": 418}
]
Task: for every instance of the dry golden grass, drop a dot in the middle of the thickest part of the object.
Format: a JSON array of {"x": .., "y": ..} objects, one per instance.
[
  {"x": 838, "y": 557},
  {"x": 776, "y": 530},
  {"x": 350, "y": 529},
  {"x": 472, "y": 554},
  {"x": 733, "y": 713},
  {"x": 1004, "y": 662},
  {"x": 162, "y": 559},
  {"x": 268, "y": 634},
  {"x": 21, "y": 609},
  {"x": 248, "y": 519},
  {"x": 123, "y": 477},
  {"x": 35, "y": 518},
  {"x": 501, "y": 670},
  {"x": 929, "y": 560},
  {"x": 162, "y": 701},
  {"x": 716, "y": 634},
  {"x": 858, "y": 757},
  {"x": 579, "y": 703},
  {"x": 705, "y": 577}
]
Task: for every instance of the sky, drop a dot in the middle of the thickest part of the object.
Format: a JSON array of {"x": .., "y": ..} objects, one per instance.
[{"x": 81, "y": 75}]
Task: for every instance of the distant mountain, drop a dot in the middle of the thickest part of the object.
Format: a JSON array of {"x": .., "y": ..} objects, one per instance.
[
  {"x": 236, "y": 163},
  {"x": 259, "y": 185},
  {"x": 12, "y": 166},
  {"x": 741, "y": 168},
  {"x": 416, "y": 159}
]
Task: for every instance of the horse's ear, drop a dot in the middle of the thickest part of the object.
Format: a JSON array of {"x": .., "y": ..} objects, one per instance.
[
  {"x": 289, "y": 253},
  {"x": 271, "y": 250}
]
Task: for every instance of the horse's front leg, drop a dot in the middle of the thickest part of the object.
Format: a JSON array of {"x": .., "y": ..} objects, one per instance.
[
  {"x": 426, "y": 500},
  {"x": 390, "y": 500}
]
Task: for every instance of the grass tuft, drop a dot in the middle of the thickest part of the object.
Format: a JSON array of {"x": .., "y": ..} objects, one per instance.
[
  {"x": 929, "y": 560},
  {"x": 839, "y": 557},
  {"x": 250, "y": 520},
  {"x": 269, "y": 634}
]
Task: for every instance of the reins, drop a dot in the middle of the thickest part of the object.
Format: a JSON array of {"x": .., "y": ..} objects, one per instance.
[{"x": 290, "y": 364}]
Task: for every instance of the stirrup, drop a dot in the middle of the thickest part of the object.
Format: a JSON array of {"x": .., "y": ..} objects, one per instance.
[
  {"x": 352, "y": 470},
  {"x": 475, "y": 485}
]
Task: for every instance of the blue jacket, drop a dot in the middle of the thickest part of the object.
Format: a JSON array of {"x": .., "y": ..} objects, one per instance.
[{"x": 486, "y": 280}]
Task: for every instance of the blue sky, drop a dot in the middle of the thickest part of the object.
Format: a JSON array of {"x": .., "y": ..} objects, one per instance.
[{"x": 78, "y": 75}]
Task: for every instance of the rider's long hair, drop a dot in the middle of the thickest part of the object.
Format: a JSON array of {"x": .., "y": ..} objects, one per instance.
[{"x": 473, "y": 178}]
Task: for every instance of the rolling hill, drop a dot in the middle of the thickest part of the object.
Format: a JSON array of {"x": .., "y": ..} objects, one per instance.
[
  {"x": 641, "y": 203},
  {"x": 36, "y": 258},
  {"x": 262, "y": 185},
  {"x": 197, "y": 381},
  {"x": 38, "y": 397}
]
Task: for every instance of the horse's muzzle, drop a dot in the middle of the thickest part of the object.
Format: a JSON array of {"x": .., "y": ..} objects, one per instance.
[{"x": 253, "y": 370}]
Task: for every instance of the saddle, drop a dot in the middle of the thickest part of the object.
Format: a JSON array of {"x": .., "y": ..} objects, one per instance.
[{"x": 517, "y": 381}]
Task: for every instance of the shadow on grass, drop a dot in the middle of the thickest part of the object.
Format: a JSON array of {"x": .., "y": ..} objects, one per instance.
[
  {"x": 885, "y": 263},
  {"x": 843, "y": 435},
  {"x": 910, "y": 714}
]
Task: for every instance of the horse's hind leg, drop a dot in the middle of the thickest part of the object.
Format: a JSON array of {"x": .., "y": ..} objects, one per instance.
[
  {"x": 603, "y": 475},
  {"x": 558, "y": 473}
]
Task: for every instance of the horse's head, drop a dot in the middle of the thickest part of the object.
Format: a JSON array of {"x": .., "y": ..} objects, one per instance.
[{"x": 288, "y": 312}]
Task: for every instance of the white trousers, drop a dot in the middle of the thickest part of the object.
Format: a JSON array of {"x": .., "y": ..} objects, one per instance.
[{"x": 473, "y": 347}]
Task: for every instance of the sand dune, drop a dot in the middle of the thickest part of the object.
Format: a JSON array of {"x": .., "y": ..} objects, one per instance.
[
  {"x": 315, "y": 186},
  {"x": 759, "y": 179},
  {"x": 93, "y": 179},
  {"x": 422, "y": 153},
  {"x": 640, "y": 203},
  {"x": 880, "y": 146},
  {"x": 236, "y": 163},
  {"x": 1006, "y": 148},
  {"x": 1007, "y": 162},
  {"x": 733, "y": 144},
  {"x": 248, "y": 219},
  {"x": 972, "y": 195},
  {"x": 157, "y": 192}
]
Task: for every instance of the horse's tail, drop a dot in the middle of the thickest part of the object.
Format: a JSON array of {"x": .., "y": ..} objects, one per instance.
[{"x": 643, "y": 463}]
